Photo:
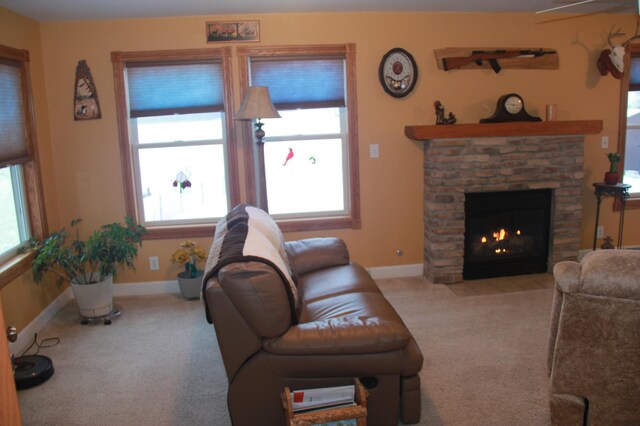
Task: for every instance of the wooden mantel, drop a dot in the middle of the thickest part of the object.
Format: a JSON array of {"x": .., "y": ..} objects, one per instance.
[{"x": 514, "y": 129}]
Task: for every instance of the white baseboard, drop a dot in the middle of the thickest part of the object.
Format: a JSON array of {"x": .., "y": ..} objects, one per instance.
[
  {"x": 25, "y": 336},
  {"x": 399, "y": 271}
]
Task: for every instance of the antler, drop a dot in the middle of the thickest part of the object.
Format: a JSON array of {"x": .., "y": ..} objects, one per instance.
[
  {"x": 616, "y": 33},
  {"x": 636, "y": 36}
]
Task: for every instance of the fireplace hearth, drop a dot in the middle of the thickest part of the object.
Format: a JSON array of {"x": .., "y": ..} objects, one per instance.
[
  {"x": 506, "y": 233},
  {"x": 496, "y": 157}
]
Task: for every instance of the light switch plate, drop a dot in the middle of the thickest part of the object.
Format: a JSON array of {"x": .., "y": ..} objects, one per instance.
[{"x": 374, "y": 150}]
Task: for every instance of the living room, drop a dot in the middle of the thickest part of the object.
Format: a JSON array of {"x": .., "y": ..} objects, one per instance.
[{"x": 80, "y": 161}]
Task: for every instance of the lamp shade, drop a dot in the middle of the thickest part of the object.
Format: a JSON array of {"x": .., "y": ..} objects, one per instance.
[{"x": 257, "y": 104}]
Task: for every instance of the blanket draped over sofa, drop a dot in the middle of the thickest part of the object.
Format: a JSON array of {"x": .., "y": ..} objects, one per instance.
[
  {"x": 301, "y": 314},
  {"x": 249, "y": 234}
]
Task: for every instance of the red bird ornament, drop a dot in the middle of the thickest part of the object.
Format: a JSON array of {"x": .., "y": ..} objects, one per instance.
[{"x": 289, "y": 157}]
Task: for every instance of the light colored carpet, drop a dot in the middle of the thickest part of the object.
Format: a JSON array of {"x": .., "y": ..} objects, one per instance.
[{"x": 484, "y": 344}]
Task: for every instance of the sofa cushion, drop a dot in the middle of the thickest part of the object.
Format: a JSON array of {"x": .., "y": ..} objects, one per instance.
[
  {"x": 263, "y": 305},
  {"x": 612, "y": 273},
  {"x": 351, "y": 278},
  {"x": 346, "y": 324},
  {"x": 312, "y": 254}
]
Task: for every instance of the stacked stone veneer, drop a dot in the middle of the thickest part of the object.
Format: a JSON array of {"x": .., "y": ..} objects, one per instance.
[{"x": 453, "y": 167}]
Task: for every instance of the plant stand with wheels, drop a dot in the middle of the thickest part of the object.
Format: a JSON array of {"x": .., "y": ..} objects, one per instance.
[{"x": 106, "y": 319}]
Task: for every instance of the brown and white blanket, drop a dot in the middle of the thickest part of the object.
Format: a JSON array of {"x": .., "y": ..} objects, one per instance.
[{"x": 250, "y": 234}]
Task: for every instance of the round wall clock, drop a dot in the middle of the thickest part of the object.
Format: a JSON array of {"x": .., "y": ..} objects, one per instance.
[
  {"x": 510, "y": 107},
  {"x": 398, "y": 72}
]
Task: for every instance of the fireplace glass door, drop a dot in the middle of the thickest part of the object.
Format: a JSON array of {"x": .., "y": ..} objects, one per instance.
[{"x": 506, "y": 233}]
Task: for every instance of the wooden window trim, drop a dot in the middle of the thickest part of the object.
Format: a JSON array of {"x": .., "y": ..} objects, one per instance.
[
  {"x": 348, "y": 51},
  {"x": 119, "y": 61},
  {"x": 32, "y": 178},
  {"x": 634, "y": 201}
]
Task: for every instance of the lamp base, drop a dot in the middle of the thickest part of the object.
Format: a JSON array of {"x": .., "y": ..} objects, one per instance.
[{"x": 259, "y": 132}]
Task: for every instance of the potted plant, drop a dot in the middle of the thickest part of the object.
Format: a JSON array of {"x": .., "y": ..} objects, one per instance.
[
  {"x": 88, "y": 266},
  {"x": 190, "y": 280},
  {"x": 611, "y": 177}
]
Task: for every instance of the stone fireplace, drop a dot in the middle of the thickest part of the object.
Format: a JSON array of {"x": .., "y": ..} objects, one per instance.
[{"x": 471, "y": 158}]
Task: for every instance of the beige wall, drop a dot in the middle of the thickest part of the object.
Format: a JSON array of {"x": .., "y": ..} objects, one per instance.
[{"x": 87, "y": 162}]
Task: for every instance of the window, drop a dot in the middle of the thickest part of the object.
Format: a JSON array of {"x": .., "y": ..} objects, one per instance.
[
  {"x": 311, "y": 152},
  {"x": 176, "y": 138},
  {"x": 630, "y": 137},
  {"x": 14, "y": 224},
  {"x": 21, "y": 216}
]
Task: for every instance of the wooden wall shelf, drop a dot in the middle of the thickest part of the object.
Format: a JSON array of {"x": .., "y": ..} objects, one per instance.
[
  {"x": 514, "y": 129},
  {"x": 549, "y": 61}
]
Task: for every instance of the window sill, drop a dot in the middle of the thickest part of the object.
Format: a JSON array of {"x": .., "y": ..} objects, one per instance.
[
  {"x": 15, "y": 267},
  {"x": 633, "y": 202},
  {"x": 286, "y": 225},
  {"x": 169, "y": 232}
]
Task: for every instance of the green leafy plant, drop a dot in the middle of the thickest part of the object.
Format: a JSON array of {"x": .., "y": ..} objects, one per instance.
[
  {"x": 111, "y": 246},
  {"x": 614, "y": 158},
  {"x": 189, "y": 255}
]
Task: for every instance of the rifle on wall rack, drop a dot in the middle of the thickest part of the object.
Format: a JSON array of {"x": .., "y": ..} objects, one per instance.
[{"x": 496, "y": 58}]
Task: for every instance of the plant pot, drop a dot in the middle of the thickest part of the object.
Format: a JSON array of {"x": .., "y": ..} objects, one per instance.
[
  {"x": 190, "y": 288},
  {"x": 611, "y": 178},
  {"x": 96, "y": 299}
]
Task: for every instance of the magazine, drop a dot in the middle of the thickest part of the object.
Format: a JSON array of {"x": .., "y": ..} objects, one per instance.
[{"x": 306, "y": 399}]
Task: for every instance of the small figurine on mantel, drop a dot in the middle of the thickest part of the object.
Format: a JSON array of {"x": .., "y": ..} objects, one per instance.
[
  {"x": 440, "y": 118},
  {"x": 608, "y": 243}
]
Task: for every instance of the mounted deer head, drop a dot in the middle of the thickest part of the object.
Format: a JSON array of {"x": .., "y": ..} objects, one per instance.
[{"x": 612, "y": 60}]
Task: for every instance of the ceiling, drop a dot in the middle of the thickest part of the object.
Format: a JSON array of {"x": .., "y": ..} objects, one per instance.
[{"x": 74, "y": 10}]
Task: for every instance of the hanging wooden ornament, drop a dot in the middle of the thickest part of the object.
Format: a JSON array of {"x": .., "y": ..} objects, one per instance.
[{"x": 85, "y": 98}]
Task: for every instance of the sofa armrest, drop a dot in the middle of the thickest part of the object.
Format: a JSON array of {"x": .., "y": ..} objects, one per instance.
[
  {"x": 312, "y": 254},
  {"x": 346, "y": 335},
  {"x": 567, "y": 276}
]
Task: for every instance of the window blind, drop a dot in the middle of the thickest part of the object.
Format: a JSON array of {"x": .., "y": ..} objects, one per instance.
[
  {"x": 14, "y": 145},
  {"x": 166, "y": 89},
  {"x": 634, "y": 73},
  {"x": 301, "y": 82}
]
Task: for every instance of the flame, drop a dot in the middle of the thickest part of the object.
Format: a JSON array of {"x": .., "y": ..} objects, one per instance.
[
  {"x": 483, "y": 240},
  {"x": 499, "y": 236},
  {"x": 518, "y": 232}
]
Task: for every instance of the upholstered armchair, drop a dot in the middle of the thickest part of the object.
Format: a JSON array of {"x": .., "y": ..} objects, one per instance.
[{"x": 594, "y": 344}]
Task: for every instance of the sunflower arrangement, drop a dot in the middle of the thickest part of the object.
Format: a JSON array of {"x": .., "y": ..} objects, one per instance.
[{"x": 188, "y": 255}]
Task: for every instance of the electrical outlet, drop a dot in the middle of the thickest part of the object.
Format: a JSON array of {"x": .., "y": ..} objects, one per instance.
[
  {"x": 154, "y": 264},
  {"x": 374, "y": 150},
  {"x": 600, "y": 233},
  {"x": 605, "y": 142}
]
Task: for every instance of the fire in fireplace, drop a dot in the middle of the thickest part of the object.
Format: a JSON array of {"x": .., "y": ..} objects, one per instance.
[{"x": 506, "y": 233}]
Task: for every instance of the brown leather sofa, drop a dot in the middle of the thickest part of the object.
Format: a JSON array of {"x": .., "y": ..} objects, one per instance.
[
  {"x": 594, "y": 344},
  {"x": 343, "y": 327}
]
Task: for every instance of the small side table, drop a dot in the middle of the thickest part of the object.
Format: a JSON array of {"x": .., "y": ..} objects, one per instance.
[{"x": 620, "y": 191}]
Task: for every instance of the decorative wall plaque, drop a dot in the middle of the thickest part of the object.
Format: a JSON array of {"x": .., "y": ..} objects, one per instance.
[{"x": 85, "y": 96}]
